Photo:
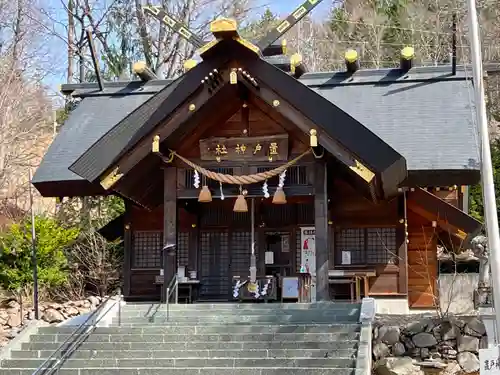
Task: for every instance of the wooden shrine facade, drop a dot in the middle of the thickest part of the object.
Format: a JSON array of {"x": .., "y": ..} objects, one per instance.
[{"x": 236, "y": 151}]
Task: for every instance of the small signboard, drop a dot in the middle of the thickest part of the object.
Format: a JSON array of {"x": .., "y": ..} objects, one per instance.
[
  {"x": 489, "y": 361},
  {"x": 290, "y": 288}
]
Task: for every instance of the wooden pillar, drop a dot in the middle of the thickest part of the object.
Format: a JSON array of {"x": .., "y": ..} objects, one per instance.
[
  {"x": 321, "y": 225},
  {"x": 127, "y": 251},
  {"x": 401, "y": 244},
  {"x": 169, "y": 225}
]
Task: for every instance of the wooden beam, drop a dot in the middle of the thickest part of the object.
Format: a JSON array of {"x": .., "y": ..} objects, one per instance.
[
  {"x": 402, "y": 246},
  {"x": 169, "y": 224},
  {"x": 95, "y": 59},
  {"x": 321, "y": 225}
]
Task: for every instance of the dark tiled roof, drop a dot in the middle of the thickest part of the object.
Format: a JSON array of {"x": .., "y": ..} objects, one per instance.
[
  {"x": 93, "y": 117},
  {"x": 426, "y": 115}
]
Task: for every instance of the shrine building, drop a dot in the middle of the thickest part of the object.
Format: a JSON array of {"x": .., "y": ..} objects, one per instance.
[{"x": 247, "y": 178}]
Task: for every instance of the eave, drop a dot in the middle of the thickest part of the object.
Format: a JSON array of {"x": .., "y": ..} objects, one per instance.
[{"x": 448, "y": 217}]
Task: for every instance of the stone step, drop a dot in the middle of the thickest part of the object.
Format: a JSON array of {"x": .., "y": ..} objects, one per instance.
[
  {"x": 262, "y": 337},
  {"x": 211, "y": 345},
  {"x": 189, "y": 371},
  {"x": 205, "y": 354},
  {"x": 212, "y": 329},
  {"x": 241, "y": 306},
  {"x": 258, "y": 319},
  {"x": 144, "y": 363},
  {"x": 117, "y": 323},
  {"x": 229, "y": 312}
]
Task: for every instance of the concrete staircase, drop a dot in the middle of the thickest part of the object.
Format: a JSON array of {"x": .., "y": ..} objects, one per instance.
[{"x": 211, "y": 339}]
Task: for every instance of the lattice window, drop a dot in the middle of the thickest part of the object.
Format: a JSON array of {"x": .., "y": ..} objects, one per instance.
[
  {"x": 183, "y": 249},
  {"x": 353, "y": 240},
  {"x": 240, "y": 253},
  {"x": 147, "y": 247},
  {"x": 214, "y": 266},
  {"x": 367, "y": 245},
  {"x": 381, "y": 246}
]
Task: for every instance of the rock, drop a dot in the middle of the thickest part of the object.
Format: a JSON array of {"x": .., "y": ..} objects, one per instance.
[
  {"x": 467, "y": 344},
  {"x": 397, "y": 366},
  {"x": 52, "y": 316},
  {"x": 407, "y": 342},
  {"x": 449, "y": 331},
  {"x": 415, "y": 327},
  {"x": 468, "y": 361},
  {"x": 375, "y": 333},
  {"x": 452, "y": 368},
  {"x": 483, "y": 343},
  {"x": 71, "y": 311},
  {"x": 432, "y": 364},
  {"x": 388, "y": 334},
  {"x": 14, "y": 320},
  {"x": 475, "y": 327},
  {"x": 424, "y": 340},
  {"x": 79, "y": 303},
  {"x": 13, "y": 304},
  {"x": 424, "y": 353},
  {"x": 381, "y": 350},
  {"x": 398, "y": 349},
  {"x": 460, "y": 323},
  {"x": 94, "y": 301}
]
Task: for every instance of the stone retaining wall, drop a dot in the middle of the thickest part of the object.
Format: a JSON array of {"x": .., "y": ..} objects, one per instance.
[
  {"x": 450, "y": 344},
  {"x": 13, "y": 318}
]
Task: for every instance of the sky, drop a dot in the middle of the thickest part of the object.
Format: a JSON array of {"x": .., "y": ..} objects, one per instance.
[{"x": 280, "y": 7}]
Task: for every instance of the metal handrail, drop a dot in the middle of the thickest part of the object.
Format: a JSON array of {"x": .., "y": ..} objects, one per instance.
[
  {"x": 79, "y": 332},
  {"x": 173, "y": 285}
]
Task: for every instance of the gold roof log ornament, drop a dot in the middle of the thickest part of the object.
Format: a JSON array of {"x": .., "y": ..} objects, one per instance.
[
  {"x": 189, "y": 64},
  {"x": 351, "y": 60},
  {"x": 143, "y": 71},
  {"x": 407, "y": 56},
  {"x": 297, "y": 66},
  {"x": 224, "y": 28}
]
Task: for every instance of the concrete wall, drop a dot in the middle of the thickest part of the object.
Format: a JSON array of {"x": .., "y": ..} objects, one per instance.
[{"x": 456, "y": 292}]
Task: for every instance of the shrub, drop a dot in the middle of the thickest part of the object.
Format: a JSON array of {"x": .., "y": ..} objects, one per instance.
[{"x": 16, "y": 268}]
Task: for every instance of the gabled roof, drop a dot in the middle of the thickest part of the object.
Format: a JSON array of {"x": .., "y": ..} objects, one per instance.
[{"x": 426, "y": 115}]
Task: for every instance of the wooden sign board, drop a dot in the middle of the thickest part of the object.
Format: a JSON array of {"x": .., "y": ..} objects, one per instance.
[{"x": 268, "y": 148}]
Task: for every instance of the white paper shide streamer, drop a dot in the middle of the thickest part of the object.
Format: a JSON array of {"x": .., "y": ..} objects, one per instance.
[
  {"x": 281, "y": 182},
  {"x": 221, "y": 192},
  {"x": 196, "y": 180},
  {"x": 266, "y": 287},
  {"x": 265, "y": 189}
]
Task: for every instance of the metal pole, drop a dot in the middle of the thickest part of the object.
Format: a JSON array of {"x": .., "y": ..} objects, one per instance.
[
  {"x": 33, "y": 251},
  {"x": 489, "y": 201}
]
